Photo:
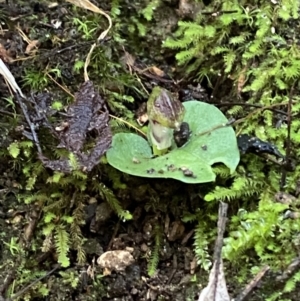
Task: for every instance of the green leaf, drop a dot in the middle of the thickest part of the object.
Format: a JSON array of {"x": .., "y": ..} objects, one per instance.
[
  {"x": 209, "y": 31},
  {"x": 190, "y": 163},
  {"x": 237, "y": 40},
  {"x": 14, "y": 149},
  {"x": 62, "y": 241},
  {"x": 229, "y": 59},
  {"x": 148, "y": 11},
  {"x": 49, "y": 216},
  {"x": 57, "y": 176},
  {"x": 57, "y": 105}
]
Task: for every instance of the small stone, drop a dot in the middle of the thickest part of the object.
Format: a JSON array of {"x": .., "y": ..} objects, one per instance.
[{"x": 116, "y": 260}]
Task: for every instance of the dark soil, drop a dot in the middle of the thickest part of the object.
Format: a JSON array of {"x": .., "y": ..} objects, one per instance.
[{"x": 157, "y": 205}]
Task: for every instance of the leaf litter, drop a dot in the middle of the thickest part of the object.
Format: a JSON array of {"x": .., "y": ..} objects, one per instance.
[{"x": 88, "y": 113}]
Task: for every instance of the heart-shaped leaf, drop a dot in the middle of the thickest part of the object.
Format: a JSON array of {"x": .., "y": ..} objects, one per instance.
[{"x": 209, "y": 143}]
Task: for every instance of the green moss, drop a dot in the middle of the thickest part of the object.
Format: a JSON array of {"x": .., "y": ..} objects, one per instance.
[{"x": 249, "y": 53}]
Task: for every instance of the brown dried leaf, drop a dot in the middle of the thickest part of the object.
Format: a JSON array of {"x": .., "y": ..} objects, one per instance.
[
  {"x": 84, "y": 117},
  {"x": 156, "y": 71},
  {"x": 176, "y": 231},
  {"x": 241, "y": 80},
  {"x": 30, "y": 227},
  {"x": 33, "y": 45},
  {"x": 87, "y": 103},
  {"x": 86, "y": 5},
  {"x": 285, "y": 198},
  {"x": 127, "y": 59},
  {"x": 4, "y": 54},
  {"x": 62, "y": 126}
]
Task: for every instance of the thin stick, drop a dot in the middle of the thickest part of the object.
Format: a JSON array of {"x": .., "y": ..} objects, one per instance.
[
  {"x": 62, "y": 87},
  {"x": 21, "y": 292},
  {"x": 219, "y": 126},
  {"x": 221, "y": 229},
  {"x": 251, "y": 105},
  {"x": 219, "y": 242},
  {"x": 257, "y": 111},
  {"x": 288, "y": 140},
  {"x": 128, "y": 123},
  {"x": 34, "y": 135},
  {"x": 252, "y": 284},
  {"x": 8, "y": 113},
  {"x": 292, "y": 268}
]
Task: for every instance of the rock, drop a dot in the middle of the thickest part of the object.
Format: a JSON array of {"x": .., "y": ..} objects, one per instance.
[{"x": 116, "y": 260}]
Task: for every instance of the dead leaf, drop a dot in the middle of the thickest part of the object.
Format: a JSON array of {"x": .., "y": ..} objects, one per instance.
[
  {"x": 86, "y": 5},
  {"x": 141, "y": 120},
  {"x": 32, "y": 46},
  {"x": 285, "y": 198},
  {"x": 10, "y": 78},
  {"x": 241, "y": 80},
  {"x": 32, "y": 222},
  {"x": 156, "y": 71},
  {"x": 216, "y": 290},
  {"x": 4, "y": 54},
  {"x": 127, "y": 60},
  {"x": 88, "y": 113},
  {"x": 176, "y": 231},
  {"x": 64, "y": 125}
]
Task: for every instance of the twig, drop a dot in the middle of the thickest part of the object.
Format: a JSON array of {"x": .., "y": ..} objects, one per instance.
[
  {"x": 221, "y": 229},
  {"x": 128, "y": 124},
  {"x": 21, "y": 292},
  {"x": 7, "y": 281},
  {"x": 256, "y": 111},
  {"x": 62, "y": 87},
  {"x": 90, "y": 6},
  {"x": 151, "y": 76},
  {"x": 219, "y": 241},
  {"x": 71, "y": 47},
  {"x": 8, "y": 113},
  {"x": 34, "y": 135},
  {"x": 288, "y": 140},
  {"x": 293, "y": 266},
  {"x": 216, "y": 288},
  {"x": 187, "y": 237},
  {"x": 217, "y": 104},
  {"x": 252, "y": 284},
  {"x": 218, "y": 13},
  {"x": 219, "y": 126},
  {"x": 113, "y": 236},
  {"x": 174, "y": 269},
  {"x": 9, "y": 78}
]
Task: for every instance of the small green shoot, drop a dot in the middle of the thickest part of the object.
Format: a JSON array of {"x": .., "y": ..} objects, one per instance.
[
  {"x": 34, "y": 79},
  {"x": 87, "y": 28},
  {"x": 11, "y": 104},
  {"x": 13, "y": 246},
  {"x": 78, "y": 66}
]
